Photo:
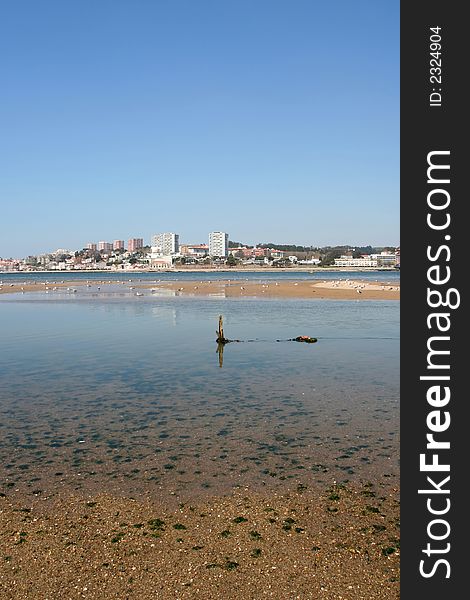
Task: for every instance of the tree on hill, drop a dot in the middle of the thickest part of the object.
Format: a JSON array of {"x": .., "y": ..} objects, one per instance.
[
  {"x": 328, "y": 258},
  {"x": 231, "y": 261}
]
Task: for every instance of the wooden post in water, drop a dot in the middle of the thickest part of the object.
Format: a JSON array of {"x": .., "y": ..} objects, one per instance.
[
  {"x": 220, "y": 332},
  {"x": 221, "y": 341}
]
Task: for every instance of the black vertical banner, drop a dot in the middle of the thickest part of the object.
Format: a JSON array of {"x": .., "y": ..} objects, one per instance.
[{"x": 434, "y": 424}]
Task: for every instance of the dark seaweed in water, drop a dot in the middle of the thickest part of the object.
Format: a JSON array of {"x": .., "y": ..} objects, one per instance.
[{"x": 130, "y": 399}]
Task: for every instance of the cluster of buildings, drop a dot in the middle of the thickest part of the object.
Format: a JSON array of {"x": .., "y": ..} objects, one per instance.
[
  {"x": 165, "y": 251},
  {"x": 133, "y": 245},
  {"x": 383, "y": 259}
]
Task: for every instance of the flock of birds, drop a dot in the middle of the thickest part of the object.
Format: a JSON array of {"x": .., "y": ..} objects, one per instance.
[
  {"x": 53, "y": 286},
  {"x": 359, "y": 286}
]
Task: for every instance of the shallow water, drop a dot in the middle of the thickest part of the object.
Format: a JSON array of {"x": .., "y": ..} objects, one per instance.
[
  {"x": 392, "y": 276},
  {"x": 128, "y": 394}
]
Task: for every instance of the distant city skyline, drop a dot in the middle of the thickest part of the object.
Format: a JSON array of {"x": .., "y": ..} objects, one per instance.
[
  {"x": 277, "y": 121},
  {"x": 169, "y": 243}
]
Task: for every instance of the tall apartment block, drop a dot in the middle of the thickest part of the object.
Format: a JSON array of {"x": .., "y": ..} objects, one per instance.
[
  {"x": 218, "y": 243},
  {"x": 105, "y": 246},
  {"x": 134, "y": 244},
  {"x": 91, "y": 246},
  {"x": 167, "y": 243},
  {"x": 118, "y": 245}
]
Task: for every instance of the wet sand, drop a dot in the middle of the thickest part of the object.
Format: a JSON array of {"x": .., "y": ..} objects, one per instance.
[
  {"x": 18, "y": 288},
  {"x": 336, "y": 543},
  {"x": 336, "y": 289},
  {"x": 323, "y": 289}
]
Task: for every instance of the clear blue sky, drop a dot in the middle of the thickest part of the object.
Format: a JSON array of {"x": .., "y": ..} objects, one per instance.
[{"x": 273, "y": 120}]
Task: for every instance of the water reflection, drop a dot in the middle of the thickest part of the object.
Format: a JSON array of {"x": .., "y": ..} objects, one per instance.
[
  {"x": 220, "y": 352},
  {"x": 126, "y": 394},
  {"x": 169, "y": 313}
]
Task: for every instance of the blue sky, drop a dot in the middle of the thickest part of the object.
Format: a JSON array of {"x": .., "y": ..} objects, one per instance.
[{"x": 273, "y": 120}]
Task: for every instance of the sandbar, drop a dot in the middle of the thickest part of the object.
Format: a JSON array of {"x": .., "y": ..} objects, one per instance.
[{"x": 347, "y": 289}]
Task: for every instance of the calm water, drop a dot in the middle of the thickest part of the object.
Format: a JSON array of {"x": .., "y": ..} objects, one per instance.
[
  {"x": 128, "y": 394},
  {"x": 389, "y": 276}
]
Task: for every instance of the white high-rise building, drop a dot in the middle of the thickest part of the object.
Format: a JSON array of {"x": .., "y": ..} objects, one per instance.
[
  {"x": 168, "y": 243},
  {"x": 218, "y": 243}
]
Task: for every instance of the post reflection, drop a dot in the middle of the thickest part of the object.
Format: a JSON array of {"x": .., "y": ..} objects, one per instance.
[{"x": 220, "y": 352}]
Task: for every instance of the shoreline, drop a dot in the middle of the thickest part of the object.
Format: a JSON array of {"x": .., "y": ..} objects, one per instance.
[
  {"x": 348, "y": 289},
  {"x": 196, "y": 270},
  {"x": 339, "y": 541},
  {"x": 300, "y": 268}
]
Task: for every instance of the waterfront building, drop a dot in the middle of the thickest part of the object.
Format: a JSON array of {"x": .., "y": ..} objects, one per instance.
[
  {"x": 247, "y": 252},
  {"x": 158, "y": 260},
  {"x": 167, "y": 242},
  {"x": 218, "y": 243},
  {"x": 11, "y": 264},
  {"x": 385, "y": 259},
  {"x": 349, "y": 261},
  {"x": 135, "y": 244},
  {"x": 194, "y": 250}
]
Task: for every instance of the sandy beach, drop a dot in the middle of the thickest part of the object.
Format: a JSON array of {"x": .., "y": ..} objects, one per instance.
[
  {"x": 340, "y": 543},
  {"x": 353, "y": 289}
]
